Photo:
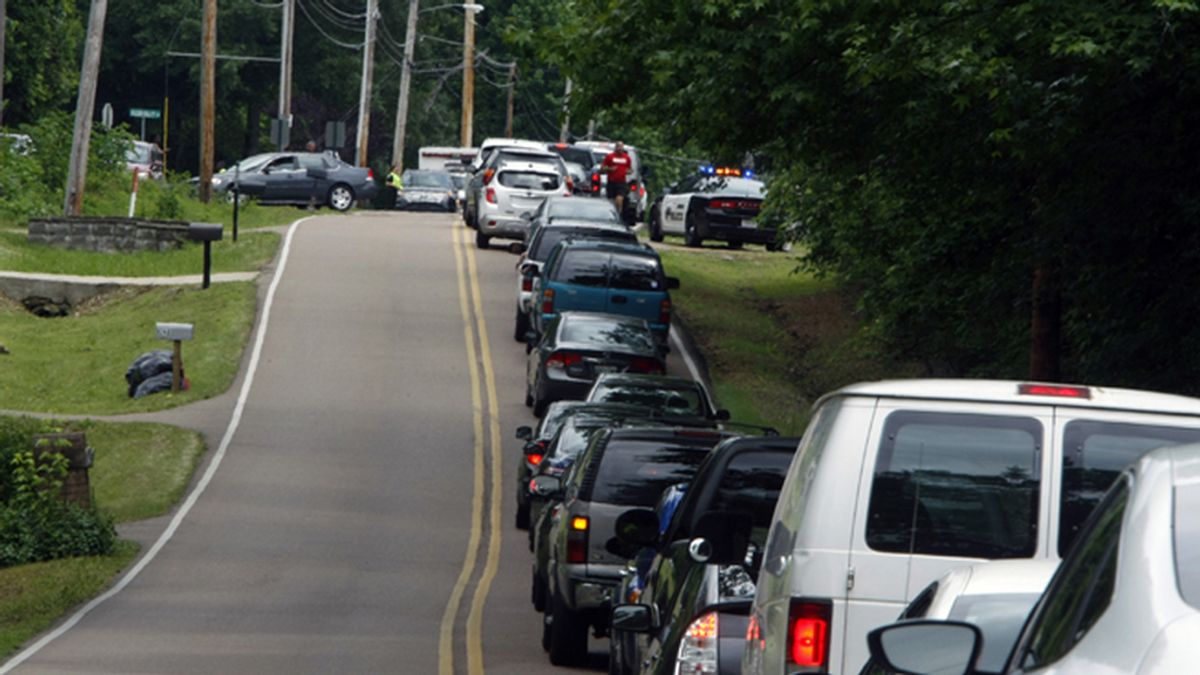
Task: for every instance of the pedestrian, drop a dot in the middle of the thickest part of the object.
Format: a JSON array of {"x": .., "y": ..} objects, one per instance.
[
  {"x": 616, "y": 165},
  {"x": 393, "y": 186},
  {"x": 310, "y": 146}
]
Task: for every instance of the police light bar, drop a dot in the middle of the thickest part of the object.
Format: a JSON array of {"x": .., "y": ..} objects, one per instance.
[{"x": 710, "y": 170}]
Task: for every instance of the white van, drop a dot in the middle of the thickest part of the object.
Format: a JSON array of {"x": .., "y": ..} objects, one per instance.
[{"x": 897, "y": 482}]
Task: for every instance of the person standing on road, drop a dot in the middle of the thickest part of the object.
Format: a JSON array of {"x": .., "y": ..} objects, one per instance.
[
  {"x": 394, "y": 186},
  {"x": 616, "y": 165}
]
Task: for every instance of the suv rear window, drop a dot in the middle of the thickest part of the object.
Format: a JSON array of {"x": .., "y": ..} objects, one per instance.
[
  {"x": 636, "y": 472},
  {"x": 529, "y": 180},
  {"x": 1094, "y": 453},
  {"x": 956, "y": 485},
  {"x": 547, "y": 237},
  {"x": 751, "y": 484},
  {"x": 635, "y": 273},
  {"x": 583, "y": 268}
]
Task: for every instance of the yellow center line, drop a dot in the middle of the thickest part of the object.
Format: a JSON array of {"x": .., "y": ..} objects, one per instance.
[
  {"x": 446, "y": 631},
  {"x": 475, "y": 617}
]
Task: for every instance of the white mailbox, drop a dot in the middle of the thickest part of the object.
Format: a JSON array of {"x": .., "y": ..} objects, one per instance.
[{"x": 173, "y": 331}]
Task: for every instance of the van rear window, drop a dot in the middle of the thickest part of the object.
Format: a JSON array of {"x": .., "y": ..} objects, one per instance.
[
  {"x": 1094, "y": 453},
  {"x": 956, "y": 485}
]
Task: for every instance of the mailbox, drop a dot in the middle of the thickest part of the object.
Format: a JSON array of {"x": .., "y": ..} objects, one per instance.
[
  {"x": 205, "y": 231},
  {"x": 173, "y": 331}
]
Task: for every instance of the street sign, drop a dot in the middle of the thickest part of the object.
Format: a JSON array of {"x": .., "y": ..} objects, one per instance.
[
  {"x": 335, "y": 134},
  {"x": 146, "y": 113}
]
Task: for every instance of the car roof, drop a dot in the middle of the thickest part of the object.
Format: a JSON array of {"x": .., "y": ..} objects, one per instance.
[
  {"x": 575, "y": 315},
  {"x": 612, "y": 246},
  {"x": 645, "y": 378},
  {"x": 579, "y": 223},
  {"x": 1009, "y": 391},
  {"x": 684, "y": 434},
  {"x": 511, "y": 142}
]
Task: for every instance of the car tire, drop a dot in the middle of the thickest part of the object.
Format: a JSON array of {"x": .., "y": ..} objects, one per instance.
[
  {"x": 545, "y": 631},
  {"x": 481, "y": 239},
  {"x": 528, "y": 397},
  {"x": 538, "y": 593},
  {"x": 691, "y": 232},
  {"x": 539, "y": 404},
  {"x": 522, "y": 518},
  {"x": 520, "y": 326},
  {"x": 340, "y": 197},
  {"x": 656, "y": 233},
  {"x": 568, "y": 635}
]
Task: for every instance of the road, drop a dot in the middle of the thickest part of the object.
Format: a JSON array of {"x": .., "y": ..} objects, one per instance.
[{"x": 354, "y": 514}]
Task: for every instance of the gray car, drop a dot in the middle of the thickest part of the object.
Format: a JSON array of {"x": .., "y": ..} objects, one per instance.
[{"x": 298, "y": 178}]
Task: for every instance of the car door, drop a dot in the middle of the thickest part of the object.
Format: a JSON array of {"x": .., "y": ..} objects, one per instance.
[
  {"x": 280, "y": 177},
  {"x": 313, "y": 178},
  {"x": 636, "y": 287},
  {"x": 674, "y": 206}
]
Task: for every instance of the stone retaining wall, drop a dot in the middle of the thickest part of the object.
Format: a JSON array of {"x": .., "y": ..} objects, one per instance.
[{"x": 107, "y": 234}]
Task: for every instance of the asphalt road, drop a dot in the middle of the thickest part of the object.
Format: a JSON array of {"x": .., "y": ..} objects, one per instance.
[{"x": 354, "y": 512}]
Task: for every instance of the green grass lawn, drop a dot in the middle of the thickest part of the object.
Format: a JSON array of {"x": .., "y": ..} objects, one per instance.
[
  {"x": 76, "y": 364},
  {"x": 249, "y": 253}
]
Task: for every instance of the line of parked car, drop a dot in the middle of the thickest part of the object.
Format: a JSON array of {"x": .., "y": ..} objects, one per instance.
[{"x": 917, "y": 526}]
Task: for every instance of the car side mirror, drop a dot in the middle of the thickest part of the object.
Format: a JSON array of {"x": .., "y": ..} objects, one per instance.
[
  {"x": 922, "y": 646},
  {"x": 528, "y": 215},
  {"x": 634, "y": 618},
  {"x": 721, "y": 538},
  {"x": 722, "y": 415},
  {"x": 672, "y": 282},
  {"x": 516, "y": 248},
  {"x": 546, "y": 487},
  {"x": 525, "y": 433},
  {"x": 638, "y": 527}
]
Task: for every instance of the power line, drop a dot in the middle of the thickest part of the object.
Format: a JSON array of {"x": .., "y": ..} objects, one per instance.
[{"x": 347, "y": 45}]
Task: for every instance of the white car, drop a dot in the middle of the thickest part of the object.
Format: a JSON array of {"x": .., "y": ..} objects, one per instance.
[
  {"x": 996, "y": 597},
  {"x": 510, "y": 194},
  {"x": 897, "y": 482},
  {"x": 1125, "y": 600}
]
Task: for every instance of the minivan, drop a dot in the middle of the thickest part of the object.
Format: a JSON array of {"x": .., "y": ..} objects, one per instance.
[{"x": 896, "y": 482}]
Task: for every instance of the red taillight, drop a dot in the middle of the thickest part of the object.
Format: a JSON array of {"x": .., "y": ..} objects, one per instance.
[
  {"x": 527, "y": 284},
  {"x": 595, "y": 182},
  {"x": 563, "y": 359},
  {"x": 570, "y": 185},
  {"x": 491, "y": 195},
  {"x": 664, "y": 311},
  {"x": 808, "y": 635},
  {"x": 722, "y": 204},
  {"x": 548, "y": 301},
  {"x": 1053, "y": 390},
  {"x": 577, "y": 539},
  {"x": 534, "y": 458},
  {"x": 644, "y": 365},
  {"x": 370, "y": 174}
]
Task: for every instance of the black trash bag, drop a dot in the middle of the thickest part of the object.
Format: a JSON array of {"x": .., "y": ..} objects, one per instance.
[
  {"x": 147, "y": 366},
  {"x": 153, "y": 385}
]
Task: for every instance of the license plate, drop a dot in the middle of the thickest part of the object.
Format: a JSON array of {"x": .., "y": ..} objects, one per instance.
[
  {"x": 602, "y": 368},
  {"x": 749, "y": 223}
]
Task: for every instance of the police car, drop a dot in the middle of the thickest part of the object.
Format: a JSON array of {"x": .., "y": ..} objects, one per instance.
[{"x": 716, "y": 203}]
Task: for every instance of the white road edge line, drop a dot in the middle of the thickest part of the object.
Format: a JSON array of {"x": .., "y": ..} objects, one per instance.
[
  {"x": 183, "y": 511},
  {"x": 687, "y": 355}
]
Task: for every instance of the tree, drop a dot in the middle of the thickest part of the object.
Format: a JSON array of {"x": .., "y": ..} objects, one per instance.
[{"x": 41, "y": 58}]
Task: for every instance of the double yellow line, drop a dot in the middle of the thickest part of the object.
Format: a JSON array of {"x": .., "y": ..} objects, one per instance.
[{"x": 475, "y": 331}]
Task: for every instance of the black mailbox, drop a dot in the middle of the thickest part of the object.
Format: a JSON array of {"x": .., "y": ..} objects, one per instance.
[{"x": 205, "y": 231}]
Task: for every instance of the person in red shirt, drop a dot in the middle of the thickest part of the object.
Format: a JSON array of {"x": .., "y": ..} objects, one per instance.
[{"x": 616, "y": 164}]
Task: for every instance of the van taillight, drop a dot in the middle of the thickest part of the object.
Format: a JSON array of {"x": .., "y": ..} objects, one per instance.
[
  {"x": 808, "y": 636},
  {"x": 577, "y": 540},
  {"x": 548, "y": 301},
  {"x": 1058, "y": 390},
  {"x": 664, "y": 312}
]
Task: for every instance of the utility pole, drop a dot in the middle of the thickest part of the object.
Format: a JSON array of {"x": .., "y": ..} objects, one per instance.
[
  {"x": 566, "y": 125},
  {"x": 468, "y": 97},
  {"x": 208, "y": 104},
  {"x": 364, "y": 96},
  {"x": 285, "y": 68},
  {"x": 3, "y": 23},
  {"x": 84, "y": 108},
  {"x": 512, "y": 87},
  {"x": 410, "y": 44}
]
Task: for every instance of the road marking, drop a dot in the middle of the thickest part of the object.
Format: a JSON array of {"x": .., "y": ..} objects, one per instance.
[
  {"x": 475, "y": 617},
  {"x": 186, "y": 508},
  {"x": 446, "y": 632}
]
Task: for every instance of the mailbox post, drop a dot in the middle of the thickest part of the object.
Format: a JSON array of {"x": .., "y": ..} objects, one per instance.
[
  {"x": 177, "y": 333},
  {"x": 207, "y": 233}
]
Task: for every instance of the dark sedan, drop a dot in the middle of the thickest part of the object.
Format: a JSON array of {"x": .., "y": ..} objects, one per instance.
[
  {"x": 427, "y": 191},
  {"x": 575, "y": 347},
  {"x": 300, "y": 179}
]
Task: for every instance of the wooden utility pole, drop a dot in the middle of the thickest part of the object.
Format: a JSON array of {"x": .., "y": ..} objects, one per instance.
[
  {"x": 468, "y": 92},
  {"x": 84, "y": 108},
  {"x": 565, "y": 131},
  {"x": 364, "y": 96},
  {"x": 410, "y": 44},
  {"x": 208, "y": 104},
  {"x": 512, "y": 87},
  {"x": 285, "y": 67},
  {"x": 3, "y": 23}
]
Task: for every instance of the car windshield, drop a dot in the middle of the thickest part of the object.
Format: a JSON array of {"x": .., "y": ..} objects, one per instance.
[
  {"x": 603, "y": 334},
  {"x": 427, "y": 179},
  {"x": 578, "y": 155},
  {"x": 547, "y": 237},
  {"x": 681, "y": 400},
  {"x": 252, "y": 162},
  {"x": 1187, "y": 542},
  {"x": 583, "y": 209},
  {"x": 529, "y": 180},
  {"x": 635, "y": 472},
  {"x": 1000, "y": 616}
]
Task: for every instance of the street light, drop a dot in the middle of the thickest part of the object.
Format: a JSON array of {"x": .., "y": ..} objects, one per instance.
[{"x": 410, "y": 40}]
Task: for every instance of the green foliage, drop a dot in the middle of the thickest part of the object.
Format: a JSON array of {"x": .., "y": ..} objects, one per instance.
[
  {"x": 41, "y": 58},
  {"x": 36, "y": 524}
]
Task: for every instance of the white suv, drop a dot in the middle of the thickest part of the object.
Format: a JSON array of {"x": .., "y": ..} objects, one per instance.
[
  {"x": 511, "y": 194},
  {"x": 895, "y": 483}
]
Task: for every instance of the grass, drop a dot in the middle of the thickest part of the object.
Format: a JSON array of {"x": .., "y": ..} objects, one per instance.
[
  {"x": 35, "y": 596},
  {"x": 774, "y": 338},
  {"x": 76, "y": 364},
  {"x": 251, "y": 251}
]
